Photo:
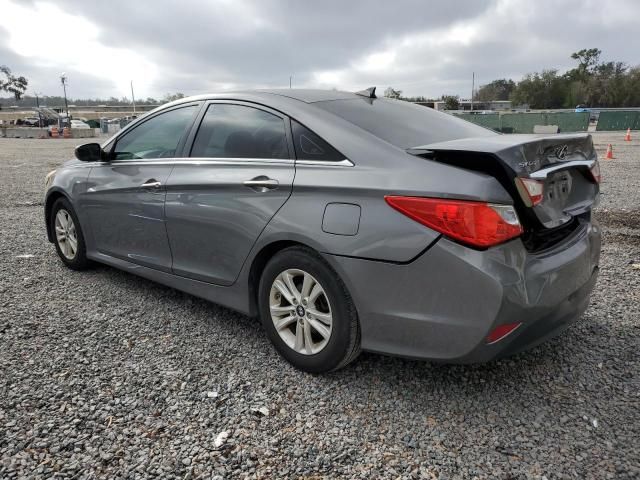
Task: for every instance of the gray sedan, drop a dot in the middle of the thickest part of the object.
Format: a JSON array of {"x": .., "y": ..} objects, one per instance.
[{"x": 346, "y": 222}]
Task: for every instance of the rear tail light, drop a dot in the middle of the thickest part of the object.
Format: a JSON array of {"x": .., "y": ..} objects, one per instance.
[
  {"x": 595, "y": 172},
  {"x": 531, "y": 191},
  {"x": 478, "y": 224},
  {"x": 501, "y": 331}
]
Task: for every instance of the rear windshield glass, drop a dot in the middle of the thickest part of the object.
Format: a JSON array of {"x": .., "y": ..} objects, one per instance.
[{"x": 401, "y": 123}]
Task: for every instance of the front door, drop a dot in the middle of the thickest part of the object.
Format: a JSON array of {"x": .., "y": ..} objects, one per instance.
[
  {"x": 240, "y": 172},
  {"x": 125, "y": 197}
]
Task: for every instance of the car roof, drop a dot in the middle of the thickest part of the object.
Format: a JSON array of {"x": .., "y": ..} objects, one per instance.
[
  {"x": 309, "y": 95},
  {"x": 269, "y": 95}
]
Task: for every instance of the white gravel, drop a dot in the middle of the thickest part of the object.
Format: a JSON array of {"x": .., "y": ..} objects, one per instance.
[{"x": 106, "y": 375}]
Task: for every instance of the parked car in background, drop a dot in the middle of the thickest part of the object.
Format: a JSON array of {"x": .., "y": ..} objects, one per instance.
[
  {"x": 593, "y": 114},
  {"x": 32, "y": 121},
  {"x": 344, "y": 221},
  {"x": 80, "y": 125}
]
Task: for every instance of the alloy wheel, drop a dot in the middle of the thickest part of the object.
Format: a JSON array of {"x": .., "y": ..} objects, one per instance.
[
  {"x": 66, "y": 234},
  {"x": 300, "y": 311}
]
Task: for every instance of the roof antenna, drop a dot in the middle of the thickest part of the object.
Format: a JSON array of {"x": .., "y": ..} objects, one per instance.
[{"x": 369, "y": 92}]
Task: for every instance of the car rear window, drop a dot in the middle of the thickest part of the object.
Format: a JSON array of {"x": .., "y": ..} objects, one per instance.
[{"x": 401, "y": 123}]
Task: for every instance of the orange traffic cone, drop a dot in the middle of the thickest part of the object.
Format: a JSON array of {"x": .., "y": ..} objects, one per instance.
[
  {"x": 54, "y": 132},
  {"x": 627, "y": 137},
  {"x": 66, "y": 132},
  {"x": 609, "y": 155}
]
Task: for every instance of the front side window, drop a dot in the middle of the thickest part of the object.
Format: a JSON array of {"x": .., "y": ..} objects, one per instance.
[
  {"x": 239, "y": 131},
  {"x": 158, "y": 137},
  {"x": 310, "y": 146}
]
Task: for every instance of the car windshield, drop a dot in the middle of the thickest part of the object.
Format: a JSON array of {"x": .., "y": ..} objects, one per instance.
[{"x": 403, "y": 124}]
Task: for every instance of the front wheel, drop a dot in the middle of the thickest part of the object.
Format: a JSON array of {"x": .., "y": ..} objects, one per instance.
[
  {"x": 307, "y": 312},
  {"x": 67, "y": 235}
]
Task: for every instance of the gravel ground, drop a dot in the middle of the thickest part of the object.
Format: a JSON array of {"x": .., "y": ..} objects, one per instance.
[{"x": 106, "y": 375}]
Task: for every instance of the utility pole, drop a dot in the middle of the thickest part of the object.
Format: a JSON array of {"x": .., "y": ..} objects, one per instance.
[
  {"x": 133, "y": 98},
  {"x": 63, "y": 79},
  {"x": 473, "y": 86},
  {"x": 38, "y": 107},
  {"x": 290, "y": 77}
]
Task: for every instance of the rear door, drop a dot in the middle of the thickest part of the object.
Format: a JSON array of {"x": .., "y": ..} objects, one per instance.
[
  {"x": 239, "y": 173},
  {"x": 125, "y": 198}
]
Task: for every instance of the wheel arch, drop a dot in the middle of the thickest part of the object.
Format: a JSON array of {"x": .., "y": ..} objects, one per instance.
[
  {"x": 48, "y": 206},
  {"x": 257, "y": 267}
]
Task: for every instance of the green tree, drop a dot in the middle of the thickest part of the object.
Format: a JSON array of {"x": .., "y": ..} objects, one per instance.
[
  {"x": 390, "y": 92},
  {"x": 541, "y": 90},
  {"x": 451, "y": 102},
  {"x": 588, "y": 59},
  {"x": 496, "y": 90},
  {"x": 631, "y": 88},
  {"x": 170, "y": 97},
  {"x": 11, "y": 83}
]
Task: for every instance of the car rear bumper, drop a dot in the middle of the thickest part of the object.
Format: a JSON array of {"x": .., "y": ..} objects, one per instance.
[{"x": 442, "y": 305}]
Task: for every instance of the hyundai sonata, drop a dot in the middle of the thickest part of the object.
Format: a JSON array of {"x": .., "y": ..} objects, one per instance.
[{"x": 346, "y": 222}]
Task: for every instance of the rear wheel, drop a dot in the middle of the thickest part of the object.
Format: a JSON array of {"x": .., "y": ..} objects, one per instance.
[
  {"x": 68, "y": 236},
  {"x": 307, "y": 311}
]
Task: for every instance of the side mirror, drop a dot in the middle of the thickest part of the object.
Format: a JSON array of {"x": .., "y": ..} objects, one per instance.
[{"x": 89, "y": 152}]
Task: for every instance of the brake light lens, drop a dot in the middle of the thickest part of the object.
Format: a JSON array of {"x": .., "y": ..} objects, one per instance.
[
  {"x": 501, "y": 331},
  {"x": 595, "y": 172},
  {"x": 531, "y": 191},
  {"x": 477, "y": 224}
]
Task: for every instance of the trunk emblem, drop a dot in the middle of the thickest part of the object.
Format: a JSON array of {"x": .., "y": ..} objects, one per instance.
[
  {"x": 561, "y": 152},
  {"x": 530, "y": 165}
]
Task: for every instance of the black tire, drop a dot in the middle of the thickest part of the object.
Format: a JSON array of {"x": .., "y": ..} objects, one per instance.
[
  {"x": 343, "y": 345},
  {"x": 79, "y": 260}
]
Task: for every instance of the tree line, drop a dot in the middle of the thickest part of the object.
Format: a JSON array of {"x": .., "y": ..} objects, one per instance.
[{"x": 592, "y": 83}]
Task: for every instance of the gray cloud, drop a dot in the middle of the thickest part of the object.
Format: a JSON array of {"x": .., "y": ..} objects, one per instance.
[
  {"x": 46, "y": 79},
  {"x": 426, "y": 48}
]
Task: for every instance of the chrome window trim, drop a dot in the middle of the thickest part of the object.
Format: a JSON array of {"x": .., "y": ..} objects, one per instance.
[
  {"x": 202, "y": 161},
  {"x": 326, "y": 163},
  {"x": 542, "y": 174},
  {"x": 226, "y": 161}
]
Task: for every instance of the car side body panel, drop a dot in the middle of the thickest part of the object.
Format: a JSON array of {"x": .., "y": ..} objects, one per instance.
[
  {"x": 213, "y": 219},
  {"x": 126, "y": 219}
]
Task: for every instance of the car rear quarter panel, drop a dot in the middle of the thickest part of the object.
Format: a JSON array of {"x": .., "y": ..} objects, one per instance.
[
  {"x": 383, "y": 233},
  {"x": 443, "y": 304}
]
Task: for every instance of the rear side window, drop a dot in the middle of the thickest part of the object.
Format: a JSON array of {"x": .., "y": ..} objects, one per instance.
[
  {"x": 238, "y": 131},
  {"x": 401, "y": 123},
  {"x": 157, "y": 137},
  {"x": 310, "y": 146}
]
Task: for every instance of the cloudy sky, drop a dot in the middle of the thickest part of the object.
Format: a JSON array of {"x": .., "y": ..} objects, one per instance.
[{"x": 192, "y": 46}]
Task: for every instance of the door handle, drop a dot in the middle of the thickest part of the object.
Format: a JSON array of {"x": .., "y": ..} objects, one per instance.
[
  {"x": 261, "y": 183},
  {"x": 153, "y": 183}
]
